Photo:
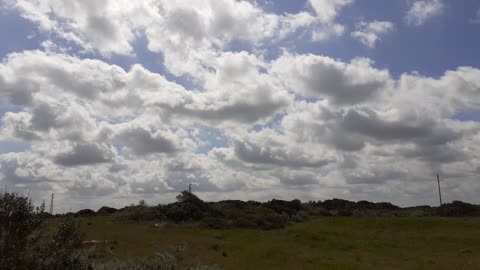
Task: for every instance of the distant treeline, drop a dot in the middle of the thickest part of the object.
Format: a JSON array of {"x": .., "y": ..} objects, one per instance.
[{"x": 273, "y": 214}]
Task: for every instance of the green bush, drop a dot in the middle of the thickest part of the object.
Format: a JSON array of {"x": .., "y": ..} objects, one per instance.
[
  {"x": 457, "y": 209},
  {"x": 18, "y": 219},
  {"x": 85, "y": 213},
  {"x": 187, "y": 208},
  {"x": 24, "y": 245},
  {"x": 138, "y": 213},
  {"x": 105, "y": 211}
]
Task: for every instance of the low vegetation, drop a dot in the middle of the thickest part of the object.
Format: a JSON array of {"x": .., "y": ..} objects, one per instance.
[
  {"x": 27, "y": 243},
  {"x": 318, "y": 243},
  {"x": 193, "y": 234},
  {"x": 274, "y": 214}
]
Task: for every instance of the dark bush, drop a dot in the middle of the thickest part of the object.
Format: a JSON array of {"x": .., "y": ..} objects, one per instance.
[
  {"x": 105, "y": 211},
  {"x": 138, "y": 213},
  {"x": 216, "y": 223},
  {"x": 187, "y": 208},
  {"x": 337, "y": 204},
  {"x": 85, "y": 213},
  {"x": 457, "y": 209},
  {"x": 18, "y": 220},
  {"x": 386, "y": 206},
  {"x": 288, "y": 207},
  {"x": 62, "y": 252},
  {"x": 25, "y": 245}
]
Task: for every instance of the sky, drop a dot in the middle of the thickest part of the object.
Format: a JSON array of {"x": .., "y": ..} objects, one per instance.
[{"x": 112, "y": 102}]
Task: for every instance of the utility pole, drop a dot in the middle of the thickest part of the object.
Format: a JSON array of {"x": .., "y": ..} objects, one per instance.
[
  {"x": 190, "y": 188},
  {"x": 51, "y": 204},
  {"x": 439, "y": 190}
]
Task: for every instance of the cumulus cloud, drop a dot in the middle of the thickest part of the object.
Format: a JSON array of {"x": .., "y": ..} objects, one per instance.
[
  {"x": 85, "y": 154},
  {"x": 323, "y": 77},
  {"x": 369, "y": 123},
  {"x": 142, "y": 141},
  {"x": 89, "y": 24},
  {"x": 327, "y": 10},
  {"x": 136, "y": 133},
  {"x": 369, "y": 33},
  {"x": 297, "y": 178},
  {"x": 325, "y": 33},
  {"x": 20, "y": 169},
  {"x": 258, "y": 122},
  {"x": 422, "y": 10},
  {"x": 186, "y": 32},
  {"x": 108, "y": 92},
  {"x": 269, "y": 148},
  {"x": 100, "y": 129}
]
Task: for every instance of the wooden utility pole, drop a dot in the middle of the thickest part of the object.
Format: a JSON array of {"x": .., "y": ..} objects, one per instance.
[
  {"x": 51, "y": 205},
  {"x": 439, "y": 190},
  {"x": 190, "y": 188}
]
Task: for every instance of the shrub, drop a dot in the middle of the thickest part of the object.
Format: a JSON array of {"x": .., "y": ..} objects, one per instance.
[
  {"x": 105, "y": 210},
  {"x": 187, "y": 208},
  {"x": 18, "y": 219},
  {"x": 85, "y": 213},
  {"x": 457, "y": 209},
  {"x": 337, "y": 204},
  {"x": 288, "y": 207},
  {"x": 138, "y": 213},
  {"x": 62, "y": 250},
  {"x": 24, "y": 246}
]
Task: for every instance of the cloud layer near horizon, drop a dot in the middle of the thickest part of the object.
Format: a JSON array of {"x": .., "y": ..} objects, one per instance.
[{"x": 298, "y": 125}]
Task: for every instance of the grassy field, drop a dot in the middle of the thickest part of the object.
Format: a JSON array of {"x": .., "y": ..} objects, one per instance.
[{"x": 325, "y": 243}]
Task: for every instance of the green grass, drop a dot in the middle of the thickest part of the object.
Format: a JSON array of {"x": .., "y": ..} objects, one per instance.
[{"x": 325, "y": 243}]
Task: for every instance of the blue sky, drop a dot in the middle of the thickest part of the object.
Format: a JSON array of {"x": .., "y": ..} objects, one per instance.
[
  {"x": 431, "y": 49},
  {"x": 444, "y": 42},
  {"x": 246, "y": 99}
]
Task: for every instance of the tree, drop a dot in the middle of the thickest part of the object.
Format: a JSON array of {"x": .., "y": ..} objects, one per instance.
[
  {"x": 186, "y": 196},
  {"x": 18, "y": 219},
  {"x": 21, "y": 245},
  {"x": 187, "y": 207}
]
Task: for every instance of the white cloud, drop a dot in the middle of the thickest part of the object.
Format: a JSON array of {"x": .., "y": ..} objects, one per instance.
[
  {"x": 256, "y": 125},
  {"x": 267, "y": 148},
  {"x": 97, "y": 130},
  {"x": 422, "y": 10},
  {"x": 369, "y": 33},
  {"x": 85, "y": 154},
  {"x": 186, "y": 32},
  {"x": 324, "y": 77},
  {"x": 326, "y": 33},
  {"x": 327, "y": 10},
  {"x": 236, "y": 90}
]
